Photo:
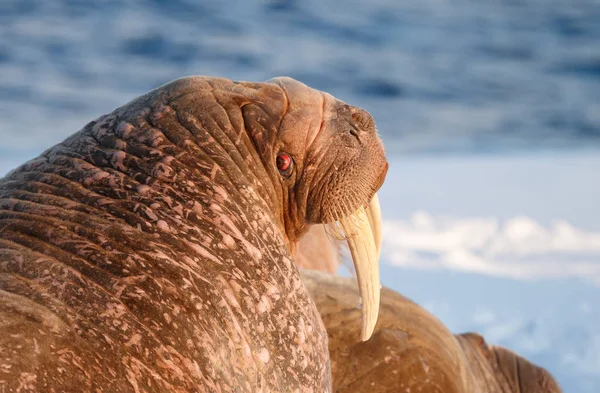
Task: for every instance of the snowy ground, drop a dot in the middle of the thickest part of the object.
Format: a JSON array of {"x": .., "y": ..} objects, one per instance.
[
  {"x": 515, "y": 216},
  {"x": 506, "y": 245}
]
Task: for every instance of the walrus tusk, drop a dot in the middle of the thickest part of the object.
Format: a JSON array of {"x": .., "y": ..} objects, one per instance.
[
  {"x": 363, "y": 234},
  {"x": 374, "y": 215}
]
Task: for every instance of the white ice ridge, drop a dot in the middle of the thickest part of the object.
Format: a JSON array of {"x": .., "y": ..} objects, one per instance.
[{"x": 518, "y": 247}]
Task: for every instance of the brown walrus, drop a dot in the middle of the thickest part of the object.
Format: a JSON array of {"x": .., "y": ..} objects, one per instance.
[
  {"x": 410, "y": 350},
  {"x": 151, "y": 251}
]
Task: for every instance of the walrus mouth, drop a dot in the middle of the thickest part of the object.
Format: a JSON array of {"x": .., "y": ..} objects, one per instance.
[{"x": 362, "y": 231}]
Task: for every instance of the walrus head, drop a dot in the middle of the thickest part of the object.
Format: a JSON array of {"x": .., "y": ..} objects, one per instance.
[{"x": 327, "y": 163}]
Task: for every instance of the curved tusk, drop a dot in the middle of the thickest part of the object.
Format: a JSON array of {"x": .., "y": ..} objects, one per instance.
[
  {"x": 364, "y": 243},
  {"x": 374, "y": 215}
]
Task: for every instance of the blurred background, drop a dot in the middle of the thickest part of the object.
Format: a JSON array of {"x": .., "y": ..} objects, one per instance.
[{"x": 489, "y": 110}]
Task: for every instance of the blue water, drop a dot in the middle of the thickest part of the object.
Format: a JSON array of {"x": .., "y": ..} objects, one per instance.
[
  {"x": 437, "y": 75},
  {"x": 462, "y": 77}
]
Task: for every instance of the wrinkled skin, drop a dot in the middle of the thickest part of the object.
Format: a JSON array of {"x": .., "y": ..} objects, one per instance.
[
  {"x": 410, "y": 350},
  {"x": 151, "y": 251}
]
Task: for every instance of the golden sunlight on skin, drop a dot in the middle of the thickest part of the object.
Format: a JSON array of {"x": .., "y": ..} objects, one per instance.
[
  {"x": 162, "y": 233},
  {"x": 317, "y": 251}
]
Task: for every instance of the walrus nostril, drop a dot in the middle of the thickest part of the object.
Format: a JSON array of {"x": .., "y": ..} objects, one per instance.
[{"x": 363, "y": 119}]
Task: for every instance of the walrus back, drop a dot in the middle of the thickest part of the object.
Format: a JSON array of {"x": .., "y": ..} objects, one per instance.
[{"x": 137, "y": 254}]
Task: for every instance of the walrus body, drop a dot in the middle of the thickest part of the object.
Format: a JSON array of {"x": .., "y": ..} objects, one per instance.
[
  {"x": 151, "y": 251},
  {"x": 411, "y": 350}
]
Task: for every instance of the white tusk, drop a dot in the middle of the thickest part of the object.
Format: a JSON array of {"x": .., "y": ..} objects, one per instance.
[
  {"x": 374, "y": 215},
  {"x": 364, "y": 244}
]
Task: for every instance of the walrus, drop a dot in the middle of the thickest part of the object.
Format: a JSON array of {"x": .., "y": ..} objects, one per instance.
[
  {"x": 152, "y": 250},
  {"x": 410, "y": 350}
]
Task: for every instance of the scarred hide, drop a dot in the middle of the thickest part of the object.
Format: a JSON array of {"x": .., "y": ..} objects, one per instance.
[{"x": 151, "y": 251}]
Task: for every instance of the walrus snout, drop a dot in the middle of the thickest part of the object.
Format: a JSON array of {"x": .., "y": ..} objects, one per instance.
[{"x": 354, "y": 153}]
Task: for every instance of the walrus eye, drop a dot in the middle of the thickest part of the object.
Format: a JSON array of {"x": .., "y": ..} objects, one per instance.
[{"x": 284, "y": 163}]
